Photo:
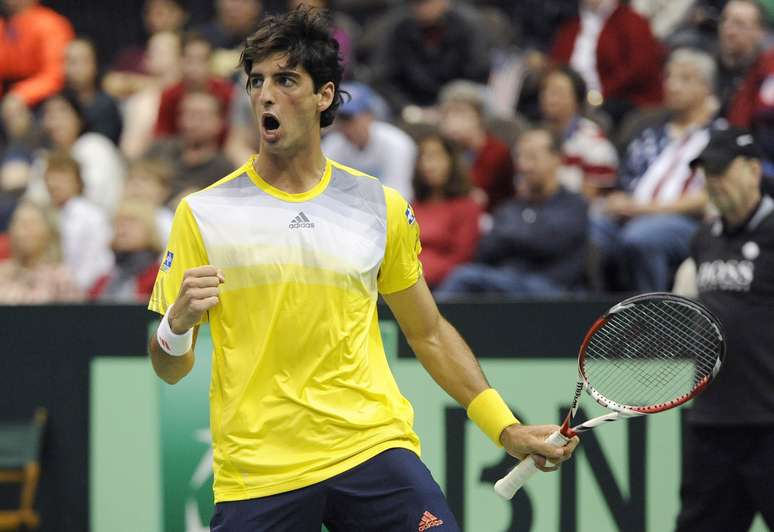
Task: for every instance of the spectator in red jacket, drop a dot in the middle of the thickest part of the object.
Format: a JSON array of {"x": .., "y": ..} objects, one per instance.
[
  {"x": 32, "y": 46},
  {"x": 614, "y": 50},
  {"x": 448, "y": 216},
  {"x": 491, "y": 165},
  {"x": 746, "y": 71},
  {"x": 197, "y": 77}
]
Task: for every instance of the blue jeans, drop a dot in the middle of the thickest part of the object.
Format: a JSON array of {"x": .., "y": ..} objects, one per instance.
[
  {"x": 484, "y": 279},
  {"x": 648, "y": 247}
]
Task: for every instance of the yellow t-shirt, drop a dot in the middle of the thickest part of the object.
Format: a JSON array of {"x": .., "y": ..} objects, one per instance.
[{"x": 301, "y": 389}]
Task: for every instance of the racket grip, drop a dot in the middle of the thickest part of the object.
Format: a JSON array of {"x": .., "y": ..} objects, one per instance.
[{"x": 507, "y": 486}]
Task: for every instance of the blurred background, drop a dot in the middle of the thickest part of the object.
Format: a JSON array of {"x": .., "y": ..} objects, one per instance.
[{"x": 544, "y": 146}]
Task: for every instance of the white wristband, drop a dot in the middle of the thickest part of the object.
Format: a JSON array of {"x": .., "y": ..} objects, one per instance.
[{"x": 173, "y": 344}]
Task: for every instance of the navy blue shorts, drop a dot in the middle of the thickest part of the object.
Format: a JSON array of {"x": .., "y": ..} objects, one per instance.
[{"x": 391, "y": 492}]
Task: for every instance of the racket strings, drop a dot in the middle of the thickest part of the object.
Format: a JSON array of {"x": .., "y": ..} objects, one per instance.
[{"x": 651, "y": 353}]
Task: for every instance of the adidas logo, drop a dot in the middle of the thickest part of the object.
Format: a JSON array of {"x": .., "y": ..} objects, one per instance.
[
  {"x": 300, "y": 222},
  {"x": 428, "y": 521}
]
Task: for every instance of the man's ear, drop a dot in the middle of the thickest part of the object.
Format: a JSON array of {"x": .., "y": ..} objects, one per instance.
[{"x": 325, "y": 96}]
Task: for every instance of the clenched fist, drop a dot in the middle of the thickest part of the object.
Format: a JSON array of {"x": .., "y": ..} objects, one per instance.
[{"x": 199, "y": 292}]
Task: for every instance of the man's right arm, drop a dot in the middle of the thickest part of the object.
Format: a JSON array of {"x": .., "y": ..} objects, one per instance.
[
  {"x": 199, "y": 292},
  {"x": 171, "y": 368}
]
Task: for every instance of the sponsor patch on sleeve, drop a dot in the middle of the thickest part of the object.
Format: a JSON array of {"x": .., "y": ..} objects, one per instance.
[
  {"x": 410, "y": 215},
  {"x": 167, "y": 264}
]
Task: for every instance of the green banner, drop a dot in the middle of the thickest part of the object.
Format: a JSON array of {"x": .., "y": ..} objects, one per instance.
[{"x": 625, "y": 477}]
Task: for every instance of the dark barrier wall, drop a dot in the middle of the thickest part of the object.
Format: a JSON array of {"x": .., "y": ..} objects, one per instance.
[
  {"x": 46, "y": 352},
  {"x": 44, "y": 360}
]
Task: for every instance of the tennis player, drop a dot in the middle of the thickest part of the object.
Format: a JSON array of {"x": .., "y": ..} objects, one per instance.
[{"x": 285, "y": 259}]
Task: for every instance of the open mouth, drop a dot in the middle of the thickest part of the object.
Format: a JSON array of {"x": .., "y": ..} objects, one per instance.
[{"x": 270, "y": 122}]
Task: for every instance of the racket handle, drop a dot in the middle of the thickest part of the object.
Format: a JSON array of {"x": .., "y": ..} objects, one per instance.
[{"x": 507, "y": 486}]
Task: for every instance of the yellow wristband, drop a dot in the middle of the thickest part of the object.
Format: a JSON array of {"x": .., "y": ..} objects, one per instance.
[{"x": 491, "y": 414}]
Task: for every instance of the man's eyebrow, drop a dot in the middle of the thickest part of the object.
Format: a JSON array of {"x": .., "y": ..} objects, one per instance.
[{"x": 287, "y": 72}]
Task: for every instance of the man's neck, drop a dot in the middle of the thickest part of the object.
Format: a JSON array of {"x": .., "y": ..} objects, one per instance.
[
  {"x": 542, "y": 193},
  {"x": 292, "y": 174},
  {"x": 696, "y": 116},
  {"x": 739, "y": 217}
]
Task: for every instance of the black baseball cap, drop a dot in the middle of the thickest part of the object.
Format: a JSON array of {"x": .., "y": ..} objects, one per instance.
[{"x": 723, "y": 147}]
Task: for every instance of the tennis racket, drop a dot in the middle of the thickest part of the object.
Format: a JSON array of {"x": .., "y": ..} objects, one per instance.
[{"x": 647, "y": 354}]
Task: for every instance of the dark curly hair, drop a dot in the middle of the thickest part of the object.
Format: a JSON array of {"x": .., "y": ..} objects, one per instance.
[{"x": 304, "y": 36}]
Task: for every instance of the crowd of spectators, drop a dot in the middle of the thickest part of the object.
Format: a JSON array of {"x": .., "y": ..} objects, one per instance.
[{"x": 544, "y": 145}]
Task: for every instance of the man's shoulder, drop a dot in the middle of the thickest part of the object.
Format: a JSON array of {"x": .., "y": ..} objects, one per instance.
[
  {"x": 386, "y": 132},
  {"x": 350, "y": 172}
]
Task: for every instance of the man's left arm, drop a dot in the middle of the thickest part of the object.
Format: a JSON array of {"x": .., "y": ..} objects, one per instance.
[{"x": 445, "y": 355}]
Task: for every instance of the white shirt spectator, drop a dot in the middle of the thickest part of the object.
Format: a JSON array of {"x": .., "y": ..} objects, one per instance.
[
  {"x": 102, "y": 170},
  {"x": 85, "y": 234},
  {"x": 390, "y": 155}
]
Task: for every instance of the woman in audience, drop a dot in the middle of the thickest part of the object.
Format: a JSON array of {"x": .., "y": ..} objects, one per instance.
[
  {"x": 447, "y": 214},
  {"x": 101, "y": 165},
  {"x": 82, "y": 77},
  {"x": 137, "y": 248},
  {"x": 34, "y": 274},
  {"x": 589, "y": 160},
  {"x": 150, "y": 181}
]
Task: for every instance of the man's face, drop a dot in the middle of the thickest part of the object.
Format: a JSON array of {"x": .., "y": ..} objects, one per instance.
[
  {"x": 736, "y": 188},
  {"x": 428, "y": 12},
  {"x": 239, "y": 16},
  {"x": 684, "y": 86},
  {"x": 196, "y": 63},
  {"x": 285, "y": 104},
  {"x": 535, "y": 161},
  {"x": 80, "y": 64},
  {"x": 460, "y": 122},
  {"x": 740, "y": 32},
  {"x": 199, "y": 119},
  {"x": 14, "y": 6}
]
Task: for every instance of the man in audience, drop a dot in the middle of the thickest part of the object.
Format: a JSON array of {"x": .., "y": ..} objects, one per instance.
[
  {"x": 196, "y": 76},
  {"x": 614, "y": 50},
  {"x": 537, "y": 245},
  {"x": 462, "y": 120},
  {"x": 645, "y": 228},
  {"x": 430, "y": 46},
  {"x": 741, "y": 35},
  {"x": 372, "y": 146},
  {"x": 746, "y": 71},
  {"x": 234, "y": 21},
  {"x": 195, "y": 152},
  {"x": 32, "y": 45}
]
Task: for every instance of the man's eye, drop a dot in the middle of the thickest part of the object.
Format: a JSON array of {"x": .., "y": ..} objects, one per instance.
[
  {"x": 285, "y": 81},
  {"x": 256, "y": 82}
]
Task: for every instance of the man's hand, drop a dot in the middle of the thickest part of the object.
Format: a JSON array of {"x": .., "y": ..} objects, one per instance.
[
  {"x": 523, "y": 440},
  {"x": 199, "y": 292}
]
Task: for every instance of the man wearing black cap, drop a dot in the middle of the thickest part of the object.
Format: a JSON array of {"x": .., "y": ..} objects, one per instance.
[{"x": 728, "y": 465}]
